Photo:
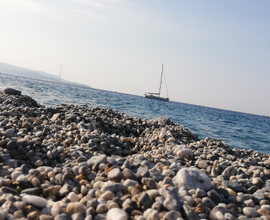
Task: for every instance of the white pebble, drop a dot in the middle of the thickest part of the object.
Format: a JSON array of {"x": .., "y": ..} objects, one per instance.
[
  {"x": 116, "y": 214},
  {"x": 35, "y": 200},
  {"x": 73, "y": 197}
]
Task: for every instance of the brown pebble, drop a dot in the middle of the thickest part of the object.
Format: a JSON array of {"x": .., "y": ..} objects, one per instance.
[
  {"x": 45, "y": 217},
  {"x": 75, "y": 207},
  {"x": 33, "y": 215}
]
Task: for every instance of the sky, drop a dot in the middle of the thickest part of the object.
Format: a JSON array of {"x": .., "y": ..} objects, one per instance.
[{"x": 215, "y": 53}]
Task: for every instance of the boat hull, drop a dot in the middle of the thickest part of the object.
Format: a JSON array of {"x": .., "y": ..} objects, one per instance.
[{"x": 156, "y": 98}]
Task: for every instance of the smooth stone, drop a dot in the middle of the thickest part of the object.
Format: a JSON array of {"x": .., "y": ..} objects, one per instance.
[
  {"x": 188, "y": 200},
  {"x": 45, "y": 217},
  {"x": 101, "y": 208},
  {"x": 185, "y": 153},
  {"x": 142, "y": 172},
  {"x": 149, "y": 182},
  {"x": 33, "y": 215},
  {"x": 113, "y": 187},
  {"x": 107, "y": 195},
  {"x": 207, "y": 202},
  {"x": 151, "y": 214},
  {"x": 63, "y": 216},
  {"x": 235, "y": 186},
  {"x": 130, "y": 182},
  {"x": 77, "y": 216},
  {"x": 73, "y": 197},
  {"x": 3, "y": 213},
  {"x": 11, "y": 91},
  {"x": 55, "y": 209},
  {"x": 32, "y": 191},
  {"x": 214, "y": 213},
  {"x": 214, "y": 196},
  {"x": 230, "y": 171},
  {"x": 202, "y": 164},
  {"x": 75, "y": 207},
  {"x": 250, "y": 212},
  {"x": 144, "y": 200},
  {"x": 116, "y": 214},
  {"x": 100, "y": 216},
  {"x": 172, "y": 200},
  {"x": 129, "y": 174},
  {"x": 200, "y": 193},
  {"x": 35, "y": 200},
  {"x": 17, "y": 214},
  {"x": 192, "y": 178},
  {"x": 153, "y": 193},
  {"x": 97, "y": 159},
  {"x": 115, "y": 175},
  {"x": 16, "y": 174}
]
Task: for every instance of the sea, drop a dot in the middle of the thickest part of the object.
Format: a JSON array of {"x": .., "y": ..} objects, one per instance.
[{"x": 238, "y": 130}]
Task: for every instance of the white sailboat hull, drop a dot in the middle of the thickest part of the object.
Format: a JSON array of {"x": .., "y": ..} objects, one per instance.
[{"x": 156, "y": 97}]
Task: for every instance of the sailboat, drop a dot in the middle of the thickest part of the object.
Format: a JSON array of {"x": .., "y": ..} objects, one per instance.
[{"x": 156, "y": 96}]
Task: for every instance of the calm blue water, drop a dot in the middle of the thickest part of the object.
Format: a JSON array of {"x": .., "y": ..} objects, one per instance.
[{"x": 238, "y": 130}]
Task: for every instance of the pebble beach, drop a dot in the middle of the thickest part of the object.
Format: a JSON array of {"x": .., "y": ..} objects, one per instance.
[{"x": 75, "y": 162}]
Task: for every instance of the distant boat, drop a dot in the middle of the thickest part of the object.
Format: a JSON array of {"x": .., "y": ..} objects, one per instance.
[{"x": 156, "y": 96}]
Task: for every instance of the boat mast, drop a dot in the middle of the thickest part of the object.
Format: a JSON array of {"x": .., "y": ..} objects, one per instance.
[
  {"x": 160, "y": 80},
  {"x": 60, "y": 73}
]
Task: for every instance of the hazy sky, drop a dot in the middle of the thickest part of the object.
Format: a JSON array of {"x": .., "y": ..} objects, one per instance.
[{"x": 215, "y": 53}]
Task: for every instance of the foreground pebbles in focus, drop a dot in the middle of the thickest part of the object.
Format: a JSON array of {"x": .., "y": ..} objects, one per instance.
[{"x": 81, "y": 162}]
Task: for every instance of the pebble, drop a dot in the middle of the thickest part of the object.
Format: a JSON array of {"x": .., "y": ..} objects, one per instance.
[
  {"x": 35, "y": 200},
  {"x": 75, "y": 207},
  {"x": 192, "y": 178},
  {"x": 116, "y": 214},
  {"x": 83, "y": 162}
]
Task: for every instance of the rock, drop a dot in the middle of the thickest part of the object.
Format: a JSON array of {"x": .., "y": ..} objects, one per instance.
[
  {"x": 235, "y": 186},
  {"x": 172, "y": 201},
  {"x": 214, "y": 196},
  {"x": 143, "y": 172},
  {"x": 63, "y": 216},
  {"x": 207, "y": 202},
  {"x": 144, "y": 200},
  {"x": 11, "y": 91},
  {"x": 202, "y": 164},
  {"x": 97, "y": 159},
  {"x": 116, "y": 214},
  {"x": 6, "y": 189},
  {"x": 159, "y": 121},
  {"x": 218, "y": 211},
  {"x": 35, "y": 200},
  {"x": 33, "y": 215},
  {"x": 77, "y": 216},
  {"x": 73, "y": 197},
  {"x": 230, "y": 171},
  {"x": 185, "y": 153},
  {"x": 75, "y": 207},
  {"x": 151, "y": 214},
  {"x": 192, "y": 178},
  {"x": 113, "y": 187},
  {"x": 250, "y": 212},
  {"x": 190, "y": 213},
  {"x": 172, "y": 215},
  {"x": 32, "y": 191},
  {"x": 115, "y": 175},
  {"x": 45, "y": 217},
  {"x": 149, "y": 182}
]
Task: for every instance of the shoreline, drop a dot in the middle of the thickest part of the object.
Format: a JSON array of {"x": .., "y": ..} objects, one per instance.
[
  {"x": 87, "y": 86},
  {"x": 93, "y": 163}
]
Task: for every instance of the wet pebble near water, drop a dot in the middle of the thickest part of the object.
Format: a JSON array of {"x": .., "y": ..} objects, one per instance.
[{"x": 80, "y": 162}]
